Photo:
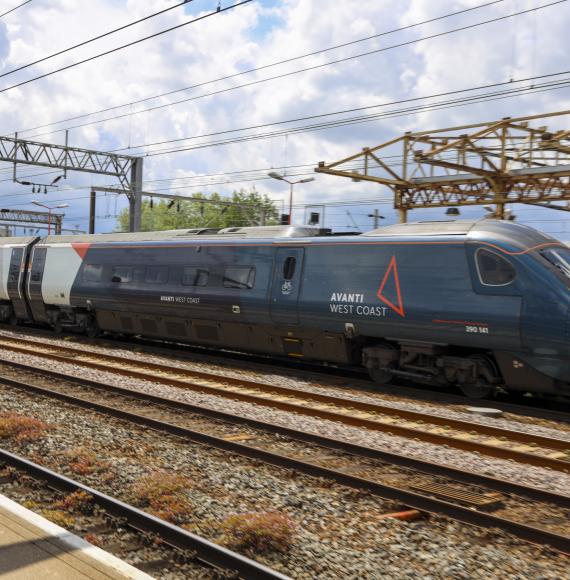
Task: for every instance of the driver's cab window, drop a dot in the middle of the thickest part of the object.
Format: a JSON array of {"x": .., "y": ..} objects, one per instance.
[{"x": 493, "y": 269}]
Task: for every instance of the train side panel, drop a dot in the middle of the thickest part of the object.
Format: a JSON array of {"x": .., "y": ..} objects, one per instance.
[
  {"x": 407, "y": 292},
  {"x": 214, "y": 294},
  {"x": 62, "y": 264}
]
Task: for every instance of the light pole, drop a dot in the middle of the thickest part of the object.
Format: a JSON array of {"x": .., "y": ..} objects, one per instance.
[
  {"x": 50, "y": 209},
  {"x": 280, "y": 177}
]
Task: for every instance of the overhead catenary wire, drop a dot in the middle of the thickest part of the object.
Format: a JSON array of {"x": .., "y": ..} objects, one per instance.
[
  {"x": 356, "y": 109},
  {"x": 409, "y": 111},
  {"x": 398, "y": 112},
  {"x": 129, "y": 44},
  {"x": 269, "y": 65},
  {"x": 90, "y": 40},
  {"x": 15, "y": 8},
  {"x": 306, "y": 69},
  {"x": 368, "y": 118}
]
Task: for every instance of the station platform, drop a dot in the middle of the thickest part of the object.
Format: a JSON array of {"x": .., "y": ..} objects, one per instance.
[{"x": 33, "y": 548}]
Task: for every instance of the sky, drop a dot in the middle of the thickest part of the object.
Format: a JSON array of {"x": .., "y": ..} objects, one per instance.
[{"x": 203, "y": 66}]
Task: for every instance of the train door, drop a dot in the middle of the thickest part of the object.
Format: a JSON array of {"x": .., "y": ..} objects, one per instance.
[
  {"x": 36, "y": 274},
  {"x": 286, "y": 285},
  {"x": 16, "y": 281}
]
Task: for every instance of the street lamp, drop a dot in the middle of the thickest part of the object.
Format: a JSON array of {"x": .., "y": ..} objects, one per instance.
[
  {"x": 275, "y": 175},
  {"x": 50, "y": 209}
]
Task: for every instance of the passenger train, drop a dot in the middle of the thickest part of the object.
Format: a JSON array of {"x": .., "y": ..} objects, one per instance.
[{"x": 476, "y": 304}]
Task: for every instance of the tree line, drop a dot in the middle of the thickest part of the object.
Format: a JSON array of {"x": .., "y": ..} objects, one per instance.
[{"x": 247, "y": 208}]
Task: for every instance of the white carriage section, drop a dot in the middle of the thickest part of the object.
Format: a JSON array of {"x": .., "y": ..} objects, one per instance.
[
  {"x": 7, "y": 245},
  {"x": 60, "y": 270},
  {"x": 5, "y": 257}
]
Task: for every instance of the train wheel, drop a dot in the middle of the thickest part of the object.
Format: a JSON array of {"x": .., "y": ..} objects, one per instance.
[
  {"x": 380, "y": 376},
  {"x": 482, "y": 385},
  {"x": 92, "y": 330}
]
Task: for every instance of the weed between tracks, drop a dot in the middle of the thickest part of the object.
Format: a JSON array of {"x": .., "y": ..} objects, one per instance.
[
  {"x": 85, "y": 462},
  {"x": 165, "y": 496},
  {"x": 258, "y": 533},
  {"x": 58, "y": 517},
  {"x": 21, "y": 427},
  {"x": 78, "y": 501}
]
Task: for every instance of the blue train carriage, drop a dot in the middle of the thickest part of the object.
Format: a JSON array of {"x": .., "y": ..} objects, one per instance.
[{"x": 475, "y": 304}]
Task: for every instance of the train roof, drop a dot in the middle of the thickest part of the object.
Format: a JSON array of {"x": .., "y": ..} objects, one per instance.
[
  {"x": 500, "y": 231},
  {"x": 506, "y": 233},
  {"x": 431, "y": 228},
  {"x": 215, "y": 233}
]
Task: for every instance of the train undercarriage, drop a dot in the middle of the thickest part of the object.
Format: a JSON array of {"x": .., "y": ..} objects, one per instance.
[{"x": 475, "y": 373}]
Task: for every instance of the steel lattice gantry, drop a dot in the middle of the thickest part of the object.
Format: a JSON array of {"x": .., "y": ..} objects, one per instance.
[
  {"x": 127, "y": 169},
  {"x": 24, "y": 216},
  {"x": 513, "y": 160}
]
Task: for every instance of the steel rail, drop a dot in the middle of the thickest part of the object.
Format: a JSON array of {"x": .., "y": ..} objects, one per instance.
[
  {"x": 206, "y": 551},
  {"x": 164, "y": 348},
  {"x": 518, "y": 436},
  {"x": 412, "y": 499},
  {"x": 354, "y": 420}
]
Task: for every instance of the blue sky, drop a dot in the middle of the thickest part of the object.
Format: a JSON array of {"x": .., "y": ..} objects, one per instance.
[{"x": 253, "y": 35}]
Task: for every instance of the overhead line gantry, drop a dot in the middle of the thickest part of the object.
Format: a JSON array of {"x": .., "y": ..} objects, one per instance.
[
  {"x": 128, "y": 170},
  {"x": 512, "y": 160}
]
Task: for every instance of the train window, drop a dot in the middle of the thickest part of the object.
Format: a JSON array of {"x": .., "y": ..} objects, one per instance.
[
  {"x": 289, "y": 268},
  {"x": 559, "y": 258},
  {"x": 93, "y": 272},
  {"x": 122, "y": 274},
  {"x": 156, "y": 275},
  {"x": 195, "y": 276},
  {"x": 239, "y": 277},
  {"x": 494, "y": 270}
]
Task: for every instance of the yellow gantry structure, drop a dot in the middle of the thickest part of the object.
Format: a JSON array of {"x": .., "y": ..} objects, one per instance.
[{"x": 514, "y": 160}]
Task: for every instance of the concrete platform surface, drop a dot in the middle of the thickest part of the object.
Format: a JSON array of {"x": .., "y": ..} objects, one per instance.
[{"x": 32, "y": 548}]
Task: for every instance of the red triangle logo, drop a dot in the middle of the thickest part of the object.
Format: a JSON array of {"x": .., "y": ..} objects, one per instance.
[
  {"x": 81, "y": 248},
  {"x": 392, "y": 269}
]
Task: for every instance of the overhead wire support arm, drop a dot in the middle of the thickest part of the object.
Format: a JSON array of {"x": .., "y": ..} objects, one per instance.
[{"x": 512, "y": 160}]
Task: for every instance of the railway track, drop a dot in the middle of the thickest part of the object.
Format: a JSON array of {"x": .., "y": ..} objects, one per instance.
[
  {"x": 466, "y": 497},
  {"x": 533, "y": 407},
  {"x": 128, "y": 531},
  {"x": 540, "y": 451}
]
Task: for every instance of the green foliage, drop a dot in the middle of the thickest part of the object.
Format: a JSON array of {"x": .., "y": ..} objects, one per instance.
[
  {"x": 258, "y": 533},
  {"x": 254, "y": 209}
]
